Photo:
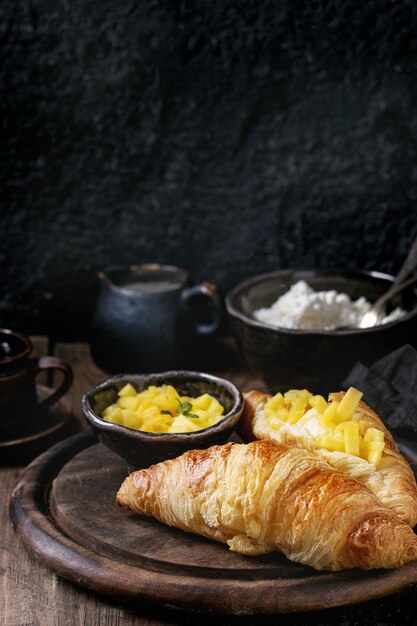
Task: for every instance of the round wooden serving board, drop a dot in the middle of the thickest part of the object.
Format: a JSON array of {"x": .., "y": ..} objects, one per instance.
[{"x": 64, "y": 510}]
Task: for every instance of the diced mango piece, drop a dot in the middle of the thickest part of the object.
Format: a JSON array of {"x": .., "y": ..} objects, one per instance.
[
  {"x": 127, "y": 390},
  {"x": 172, "y": 394},
  {"x": 109, "y": 410},
  {"x": 275, "y": 402},
  {"x": 318, "y": 403},
  {"x": 282, "y": 413},
  {"x": 143, "y": 404},
  {"x": 210, "y": 420},
  {"x": 351, "y": 437},
  {"x": 154, "y": 425},
  {"x": 152, "y": 411},
  {"x": 349, "y": 404},
  {"x": 201, "y": 414},
  {"x": 374, "y": 434},
  {"x": 292, "y": 406},
  {"x": 115, "y": 416},
  {"x": 292, "y": 395},
  {"x": 328, "y": 417},
  {"x": 130, "y": 419},
  {"x": 215, "y": 407},
  {"x": 183, "y": 422},
  {"x": 297, "y": 410},
  {"x": 372, "y": 451},
  {"x": 128, "y": 402},
  {"x": 202, "y": 402},
  {"x": 331, "y": 442},
  {"x": 151, "y": 391},
  {"x": 375, "y": 457}
]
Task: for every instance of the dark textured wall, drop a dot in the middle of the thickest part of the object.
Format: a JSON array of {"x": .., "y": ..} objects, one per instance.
[{"x": 231, "y": 138}]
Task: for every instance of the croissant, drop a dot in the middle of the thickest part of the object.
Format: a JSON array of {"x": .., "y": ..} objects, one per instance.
[
  {"x": 392, "y": 481},
  {"x": 266, "y": 496}
]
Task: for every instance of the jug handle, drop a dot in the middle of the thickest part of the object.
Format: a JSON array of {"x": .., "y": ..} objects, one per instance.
[{"x": 215, "y": 301}]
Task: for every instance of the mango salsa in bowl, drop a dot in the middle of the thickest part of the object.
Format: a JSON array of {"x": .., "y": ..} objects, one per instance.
[
  {"x": 162, "y": 409},
  {"x": 148, "y": 418}
]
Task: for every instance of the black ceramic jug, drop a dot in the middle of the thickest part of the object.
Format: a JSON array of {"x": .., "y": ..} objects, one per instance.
[{"x": 147, "y": 318}]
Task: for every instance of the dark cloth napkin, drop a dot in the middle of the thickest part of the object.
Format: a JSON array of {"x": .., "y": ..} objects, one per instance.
[{"x": 389, "y": 386}]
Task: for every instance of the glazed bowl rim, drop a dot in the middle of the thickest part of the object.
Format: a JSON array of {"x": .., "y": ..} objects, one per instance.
[
  {"x": 234, "y": 312},
  {"x": 228, "y": 420}
]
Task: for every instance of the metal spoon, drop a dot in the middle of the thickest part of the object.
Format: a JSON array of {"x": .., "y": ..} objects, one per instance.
[
  {"x": 377, "y": 311},
  {"x": 408, "y": 266}
]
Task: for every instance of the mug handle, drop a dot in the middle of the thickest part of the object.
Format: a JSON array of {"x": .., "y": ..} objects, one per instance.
[
  {"x": 52, "y": 363},
  {"x": 215, "y": 301}
]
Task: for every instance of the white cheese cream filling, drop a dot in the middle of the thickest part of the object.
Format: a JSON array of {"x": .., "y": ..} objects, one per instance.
[{"x": 308, "y": 431}]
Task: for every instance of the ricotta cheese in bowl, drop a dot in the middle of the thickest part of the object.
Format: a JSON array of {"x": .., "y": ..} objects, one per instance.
[{"x": 303, "y": 308}]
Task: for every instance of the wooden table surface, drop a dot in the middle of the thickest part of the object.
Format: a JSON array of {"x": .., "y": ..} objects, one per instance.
[{"x": 30, "y": 594}]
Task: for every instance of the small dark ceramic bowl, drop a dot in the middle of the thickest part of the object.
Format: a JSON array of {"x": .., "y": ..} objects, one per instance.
[
  {"x": 142, "y": 449},
  {"x": 316, "y": 360}
]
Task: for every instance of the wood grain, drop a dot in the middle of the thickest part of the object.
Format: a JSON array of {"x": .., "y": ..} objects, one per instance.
[
  {"x": 31, "y": 594},
  {"x": 82, "y": 535}
]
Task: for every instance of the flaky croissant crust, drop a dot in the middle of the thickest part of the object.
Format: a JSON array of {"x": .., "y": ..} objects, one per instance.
[
  {"x": 267, "y": 496},
  {"x": 392, "y": 481}
]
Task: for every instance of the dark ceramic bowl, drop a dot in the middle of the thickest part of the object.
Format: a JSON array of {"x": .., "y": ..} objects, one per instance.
[
  {"x": 142, "y": 449},
  {"x": 316, "y": 360}
]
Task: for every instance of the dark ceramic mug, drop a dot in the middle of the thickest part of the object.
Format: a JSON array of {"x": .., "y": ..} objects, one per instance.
[
  {"x": 19, "y": 407},
  {"x": 148, "y": 316}
]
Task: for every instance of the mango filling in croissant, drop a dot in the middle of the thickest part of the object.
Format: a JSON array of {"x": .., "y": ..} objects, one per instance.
[
  {"x": 161, "y": 409},
  {"x": 330, "y": 425}
]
